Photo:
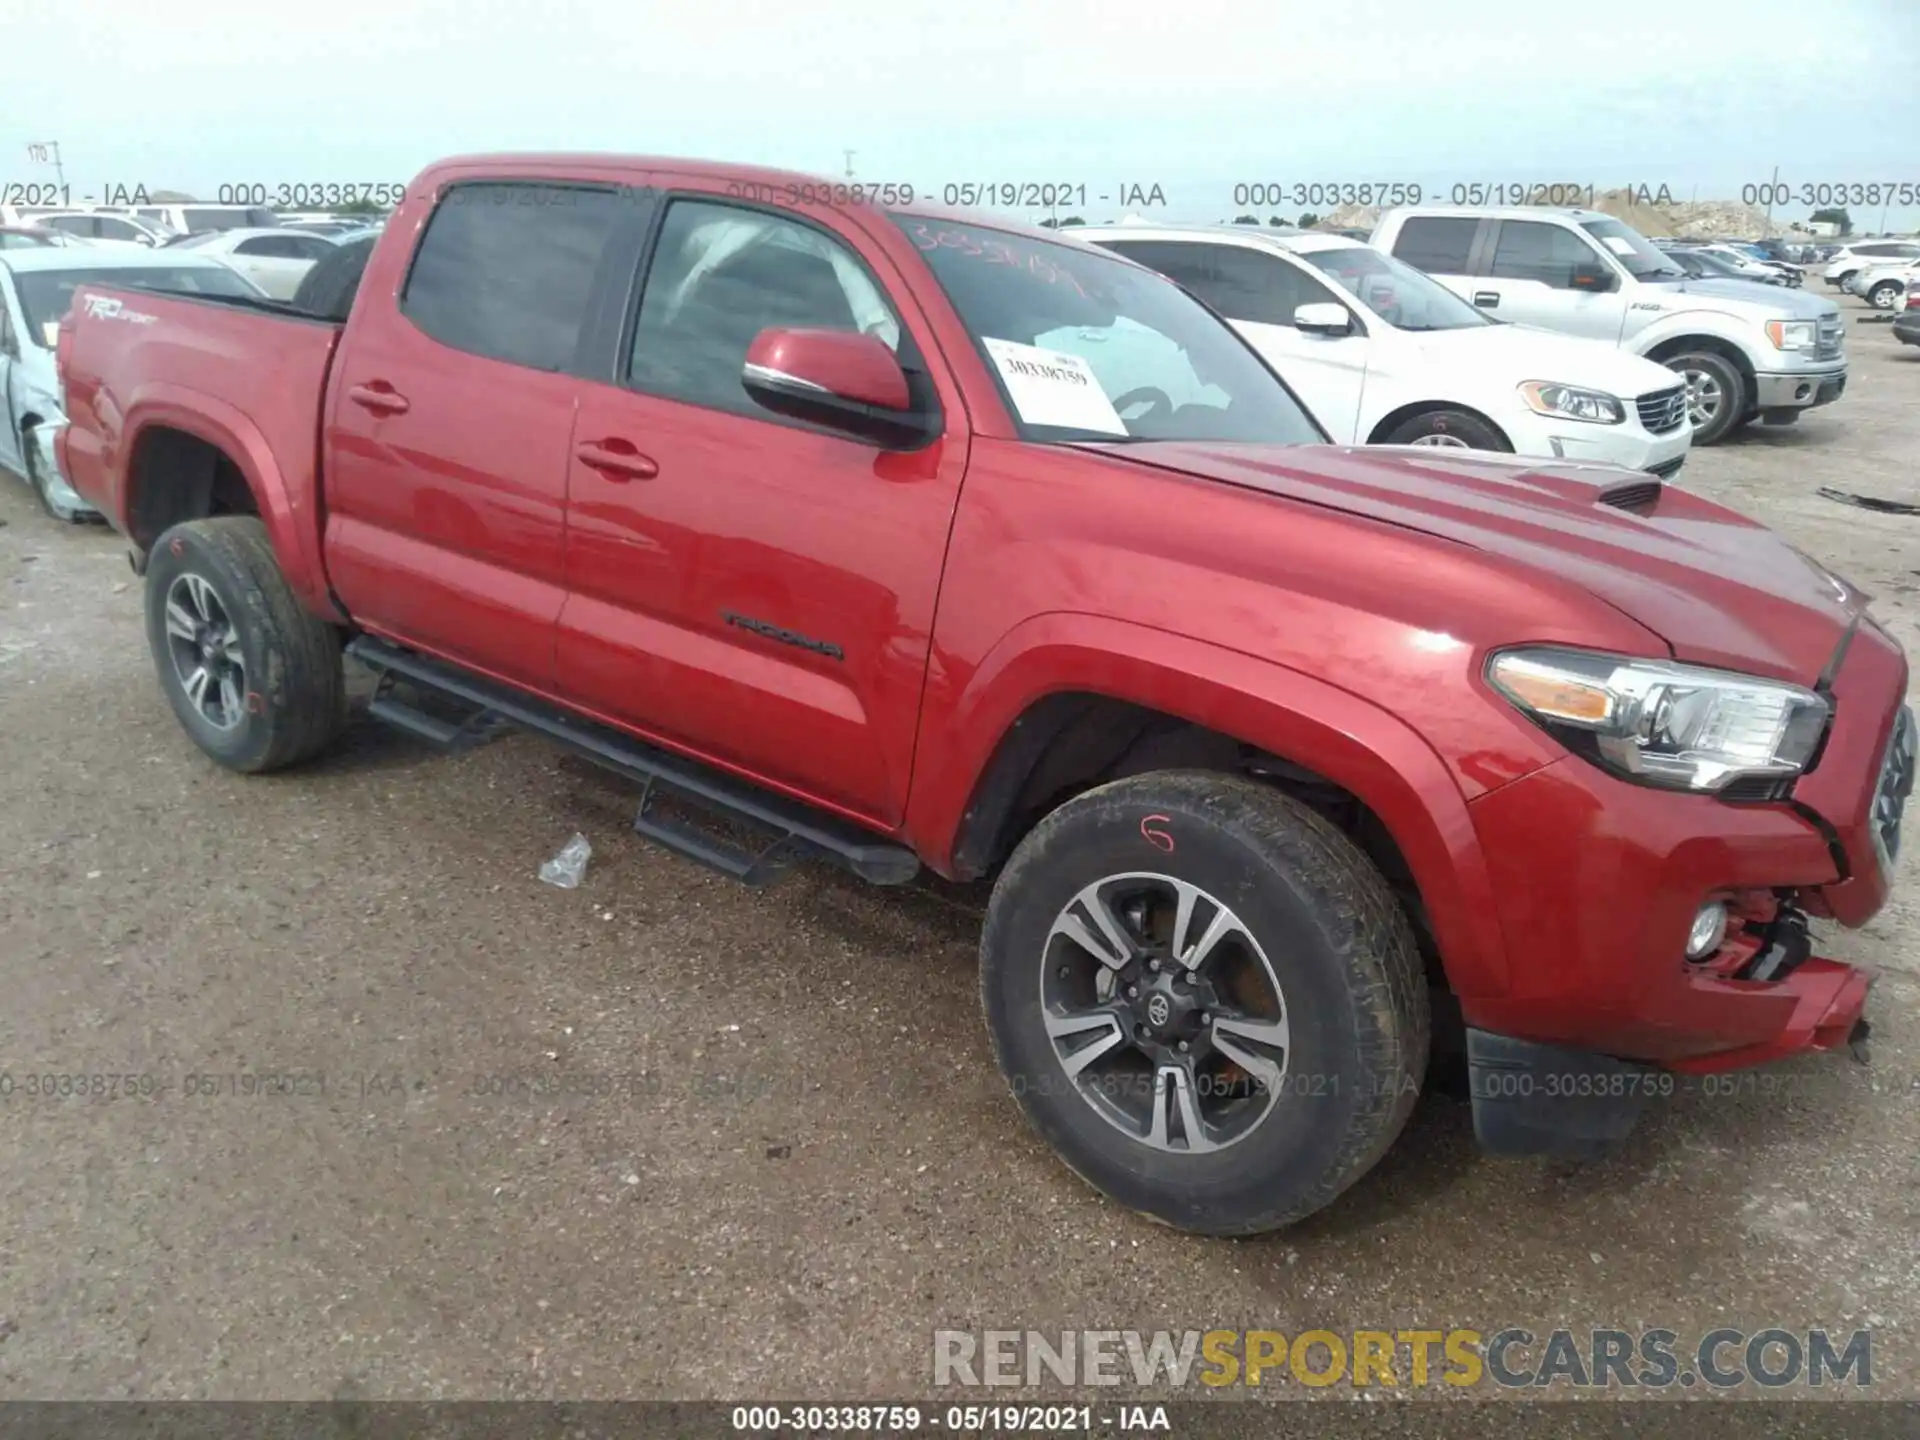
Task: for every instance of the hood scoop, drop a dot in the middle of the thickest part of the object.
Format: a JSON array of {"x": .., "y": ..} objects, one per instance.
[{"x": 1637, "y": 496}]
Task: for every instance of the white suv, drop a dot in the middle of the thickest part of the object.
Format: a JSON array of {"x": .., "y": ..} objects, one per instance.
[
  {"x": 1381, "y": 354},
  {"x": 1849, "y": 260}
]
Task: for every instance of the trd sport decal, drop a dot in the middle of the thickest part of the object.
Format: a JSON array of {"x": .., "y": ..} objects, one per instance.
[{"x": 785, "y": 637}]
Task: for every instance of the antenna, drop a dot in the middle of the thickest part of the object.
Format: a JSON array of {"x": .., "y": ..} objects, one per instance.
[{"x": 849, "y": 154}]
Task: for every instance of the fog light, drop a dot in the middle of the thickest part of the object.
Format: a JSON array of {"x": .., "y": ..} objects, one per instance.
[{"x": 1709, "y": 930}]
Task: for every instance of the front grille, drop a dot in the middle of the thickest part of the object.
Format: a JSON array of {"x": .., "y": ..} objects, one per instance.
[
  {"x": 1896, "y": 784},
  {"x": 1663, "y": 410},
  {"x": 1830, "y": 340}
]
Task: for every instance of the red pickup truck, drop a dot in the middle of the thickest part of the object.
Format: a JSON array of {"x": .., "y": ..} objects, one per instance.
[{"x": 889, "y": 536}]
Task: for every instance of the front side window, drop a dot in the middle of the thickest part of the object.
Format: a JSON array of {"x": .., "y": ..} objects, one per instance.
[
  {"x": 1085, "y": 346},
  {"x": 1639, "y": 256},
  {"x": 506, "y": 269},
  {"x": 720, "y": 275},
  {"x": 1529, "y": 250},
  {"x": 1402, "y": 296},
  {"x": 1242, "y": 283},
  {"x": 73, "y": 224}
]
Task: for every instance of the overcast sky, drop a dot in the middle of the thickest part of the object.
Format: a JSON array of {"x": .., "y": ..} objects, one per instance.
[{"x": 1194, "y": 95}]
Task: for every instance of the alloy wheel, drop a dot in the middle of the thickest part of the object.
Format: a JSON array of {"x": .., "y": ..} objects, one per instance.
[
  {"x": 205, "y": 646},
  {"x": 1704, "y": 397},
  {"x": 1164, "y": 1012}
]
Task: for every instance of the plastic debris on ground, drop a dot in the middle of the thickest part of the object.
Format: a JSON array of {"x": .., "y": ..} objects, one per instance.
[{"x": 566, "y": 867}]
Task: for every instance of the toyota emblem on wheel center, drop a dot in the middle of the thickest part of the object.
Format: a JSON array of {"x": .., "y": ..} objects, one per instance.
[{"x": 1158, "y": 1008}]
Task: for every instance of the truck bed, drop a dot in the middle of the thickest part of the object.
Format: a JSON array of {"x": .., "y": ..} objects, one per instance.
[{"x": 247, "y": 376}]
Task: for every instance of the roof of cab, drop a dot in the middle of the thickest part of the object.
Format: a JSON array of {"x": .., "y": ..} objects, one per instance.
[{"x": 531, "y": 165}]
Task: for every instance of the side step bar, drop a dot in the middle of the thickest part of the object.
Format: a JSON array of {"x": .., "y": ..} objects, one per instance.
[{"x": 793, "y": 831}]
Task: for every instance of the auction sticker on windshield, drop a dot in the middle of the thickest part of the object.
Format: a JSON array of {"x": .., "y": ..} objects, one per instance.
[
  {"x": 1048, "y": 387},
  {"x": 1617, "y": 245}
]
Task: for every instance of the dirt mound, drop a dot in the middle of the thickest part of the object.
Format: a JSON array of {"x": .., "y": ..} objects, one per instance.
[{"x": 1682, "y": 219}]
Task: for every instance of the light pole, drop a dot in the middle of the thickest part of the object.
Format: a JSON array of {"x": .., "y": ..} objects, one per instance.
[{"x": 37, "y": 151}]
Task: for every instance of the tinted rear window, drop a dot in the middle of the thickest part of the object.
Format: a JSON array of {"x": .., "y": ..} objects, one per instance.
[
  {"x": 1438, "y": 244},
  {"x": 507, "y": 270}
]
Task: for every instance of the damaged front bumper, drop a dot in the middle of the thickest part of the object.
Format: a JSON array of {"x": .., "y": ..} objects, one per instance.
[{"x": 62, "y": 499}]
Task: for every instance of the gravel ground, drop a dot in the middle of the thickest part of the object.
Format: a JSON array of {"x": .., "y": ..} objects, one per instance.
[{"x": 801, "y": 1162}]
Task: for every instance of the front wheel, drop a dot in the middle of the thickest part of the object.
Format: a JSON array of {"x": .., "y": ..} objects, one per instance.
[
  {"x": 1886, "y": 294},
  {"x": 1449, "y": 430},
  {"x": 1717, "y": 400},
  {"x": 254, "y": 678},
  {"x": 1205, "y": 998}
]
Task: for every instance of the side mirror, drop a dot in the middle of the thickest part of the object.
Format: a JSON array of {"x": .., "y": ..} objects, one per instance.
[
  {"x": 838, "y": 379},
  {"x": 1323, "y": 318},
  {"x": 1593, "y": 277}
]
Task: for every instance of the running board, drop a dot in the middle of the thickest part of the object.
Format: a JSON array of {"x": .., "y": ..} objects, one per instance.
[{"x": 793, "y": 831}]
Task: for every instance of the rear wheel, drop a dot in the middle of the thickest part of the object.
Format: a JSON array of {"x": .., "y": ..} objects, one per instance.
[
  {"x": 1205, "y": 998},
  {"x": 254, "y": 678},
  {"x": 1449, "y": 430},
  {"x": 1717, "y": 399}
]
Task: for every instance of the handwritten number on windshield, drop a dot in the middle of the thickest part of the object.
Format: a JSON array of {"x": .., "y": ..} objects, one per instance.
[{"x": 995, "y": 252}]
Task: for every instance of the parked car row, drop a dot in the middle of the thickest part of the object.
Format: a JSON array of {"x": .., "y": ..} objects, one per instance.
[
  {"x": 1383, "y": 354},
  {"x": 1745, "y": 352}
]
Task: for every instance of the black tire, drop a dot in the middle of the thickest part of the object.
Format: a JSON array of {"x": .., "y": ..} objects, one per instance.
[
  {"x": 1735, "y": 402},
  {"x": 1338, "y": 943},
  {"x": 1462, "y": 425},
  {"x": 1892, "y": 290},
  {"x": 292, "y": 686}
]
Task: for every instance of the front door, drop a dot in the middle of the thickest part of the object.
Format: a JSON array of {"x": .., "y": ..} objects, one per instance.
[
  {"x": 746, "y": 587},
  {"x": 1530, "y": 280}
]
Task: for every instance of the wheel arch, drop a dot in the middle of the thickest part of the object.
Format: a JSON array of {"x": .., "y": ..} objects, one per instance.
[
  {"x": 189, "y": 457},
  {"x": 1086, "y": 700},
  {"x": 1694, "y": 341},
  {"x": 1414, "y": 409}
]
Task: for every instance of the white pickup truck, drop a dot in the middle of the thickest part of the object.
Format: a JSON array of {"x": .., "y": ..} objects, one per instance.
[{"x": 1745, "y": 353}]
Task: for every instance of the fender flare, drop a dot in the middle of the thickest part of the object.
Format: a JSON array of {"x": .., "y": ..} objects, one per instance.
[
  {"x": 289, "y": 511},
  {"x": 1351, "y": 741}
]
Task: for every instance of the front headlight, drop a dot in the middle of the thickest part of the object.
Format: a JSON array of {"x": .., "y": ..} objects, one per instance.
[
  {"x": 1793, "y": 334},
  {"x": 1570, "y": 402},
  {"x": 1682, "y": 727}
]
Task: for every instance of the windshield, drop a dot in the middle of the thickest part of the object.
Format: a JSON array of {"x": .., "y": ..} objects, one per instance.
[
  {"x": 1406, "y": 298},
  {"x": 1086, "y": 346},
  {"x": 1633, "y": 250},
  {"x": 45, "y": 295}
]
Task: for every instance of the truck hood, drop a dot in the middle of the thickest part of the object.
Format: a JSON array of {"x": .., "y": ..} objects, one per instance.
[
  {"x": 1719, "y": 589},
  {"x": 1778, "y": 302},
  {"x": 1516, "y": 353}
]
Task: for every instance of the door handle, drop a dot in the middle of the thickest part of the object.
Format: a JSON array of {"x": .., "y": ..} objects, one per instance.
[
  {"x": 379, "y": 397},
  {"x": 616, "y": 459},
  {"x": 1487, "y": 299}
]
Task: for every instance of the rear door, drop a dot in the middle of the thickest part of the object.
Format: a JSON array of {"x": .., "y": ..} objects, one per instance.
[
  {"x": 1531, "y": 274},
  {"x": 450, "y": 417},
  {"x": 1442, "y": 245},
  {"x": 744, "y": 586},
  {"x": 1259, "y": 291}
]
